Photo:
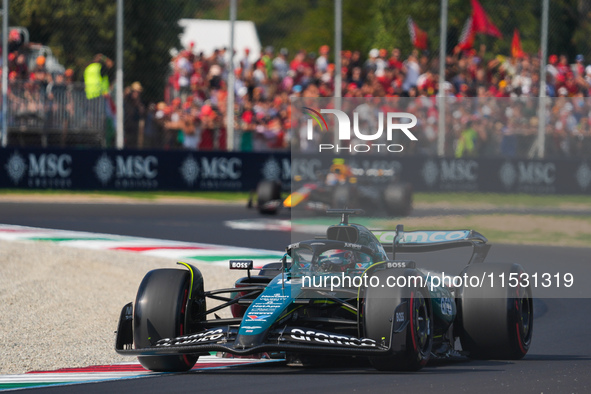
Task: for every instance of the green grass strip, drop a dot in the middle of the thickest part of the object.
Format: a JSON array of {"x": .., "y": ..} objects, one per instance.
[
  {"x": 510, "y": 200},
  {"x": 141, "y": 195},
  {"x": 461, "y": 199}
]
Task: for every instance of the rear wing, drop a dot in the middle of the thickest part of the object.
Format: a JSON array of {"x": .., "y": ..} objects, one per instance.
[{"x": 399, "y": 241}]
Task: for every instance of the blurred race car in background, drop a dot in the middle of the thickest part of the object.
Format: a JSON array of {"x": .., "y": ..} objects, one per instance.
[{"x": 376, "y": 191}]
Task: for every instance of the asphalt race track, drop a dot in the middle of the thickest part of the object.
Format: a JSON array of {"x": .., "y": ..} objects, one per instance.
[
  {"x": 180, "y": 222},
  {"x": 559, "y": 359}
]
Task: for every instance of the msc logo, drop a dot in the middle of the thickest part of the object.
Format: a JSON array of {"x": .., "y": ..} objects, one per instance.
[
  {"x": 42, "y": 170},
  {"x": 344, "y": 130},
  {"x": 132, "y": 171}
]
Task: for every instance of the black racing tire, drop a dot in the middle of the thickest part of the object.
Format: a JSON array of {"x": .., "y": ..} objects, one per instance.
[
  {"x": 268, "y": 190},
  {"x": 398, "y": 199},
  {"x": 160, "y": 313},
  {"x": 411, "y": 346},
  {"x": 495, "y": 322}
]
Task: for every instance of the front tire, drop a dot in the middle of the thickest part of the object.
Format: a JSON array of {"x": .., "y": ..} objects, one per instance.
[
  {"x": 268, "y": 191},
  {"x": 159, "y": 312},
  {"x": 496, "y": 322},
  {"x": 411, "y": 346}
]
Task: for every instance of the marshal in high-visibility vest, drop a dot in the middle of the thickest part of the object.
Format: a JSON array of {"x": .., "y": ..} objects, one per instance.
[{"x": 96, "y": 79}]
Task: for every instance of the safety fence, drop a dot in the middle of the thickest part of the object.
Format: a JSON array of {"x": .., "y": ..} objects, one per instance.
[
  {"x": 54, "y": 114},
  {"x": 98, "y": 169}
]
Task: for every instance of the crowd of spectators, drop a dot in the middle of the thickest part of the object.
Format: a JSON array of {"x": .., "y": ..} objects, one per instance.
[
  {"x": 46, "y": 98},
  {"x": 27, "y": 65},
  {"x": 492, "y": 101},
  {"x": 499, "y": 119},
  {"x": 38, "y": 94}
]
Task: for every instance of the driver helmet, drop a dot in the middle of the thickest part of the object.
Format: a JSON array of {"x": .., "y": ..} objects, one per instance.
[{"x": 337, "y": 261}]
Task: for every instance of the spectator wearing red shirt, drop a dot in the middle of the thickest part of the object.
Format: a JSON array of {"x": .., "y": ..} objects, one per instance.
[
  {"x": 394, "y": 60},
  {"x": 563, "y": 66}
]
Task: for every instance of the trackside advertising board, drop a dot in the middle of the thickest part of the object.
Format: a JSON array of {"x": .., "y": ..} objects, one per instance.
[{"x": 71, "y": 169}]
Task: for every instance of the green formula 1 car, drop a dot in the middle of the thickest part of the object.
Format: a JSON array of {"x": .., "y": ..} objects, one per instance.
[{"x": 344, "y": 295}]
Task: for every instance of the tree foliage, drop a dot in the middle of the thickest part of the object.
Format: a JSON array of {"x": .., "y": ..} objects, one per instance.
[
  {"x": 307, "y": 24},
  {"x": 78, "y": 29}
]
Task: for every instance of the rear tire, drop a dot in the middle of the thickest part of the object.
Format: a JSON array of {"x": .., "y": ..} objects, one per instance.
[
  {"x": 495, "y": 322},
  {"x": 268, "y": 191},
  {"x": 412, "y": 346},
  {"x": 160, "y": 313}
]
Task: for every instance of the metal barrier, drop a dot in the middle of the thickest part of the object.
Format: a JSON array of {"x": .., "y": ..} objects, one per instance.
[{"x": 46, "y": 114}]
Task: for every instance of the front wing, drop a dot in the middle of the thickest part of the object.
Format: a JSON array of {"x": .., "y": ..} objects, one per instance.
[{"x": 223, "y": 339}]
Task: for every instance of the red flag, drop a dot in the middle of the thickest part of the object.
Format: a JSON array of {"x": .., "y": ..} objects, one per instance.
[
  {"x": 466, "y": 37},
  {"x": 516, "y": 50},
  {"x": 418, "y": 37},
  {"x": 481, "y": 23}
]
